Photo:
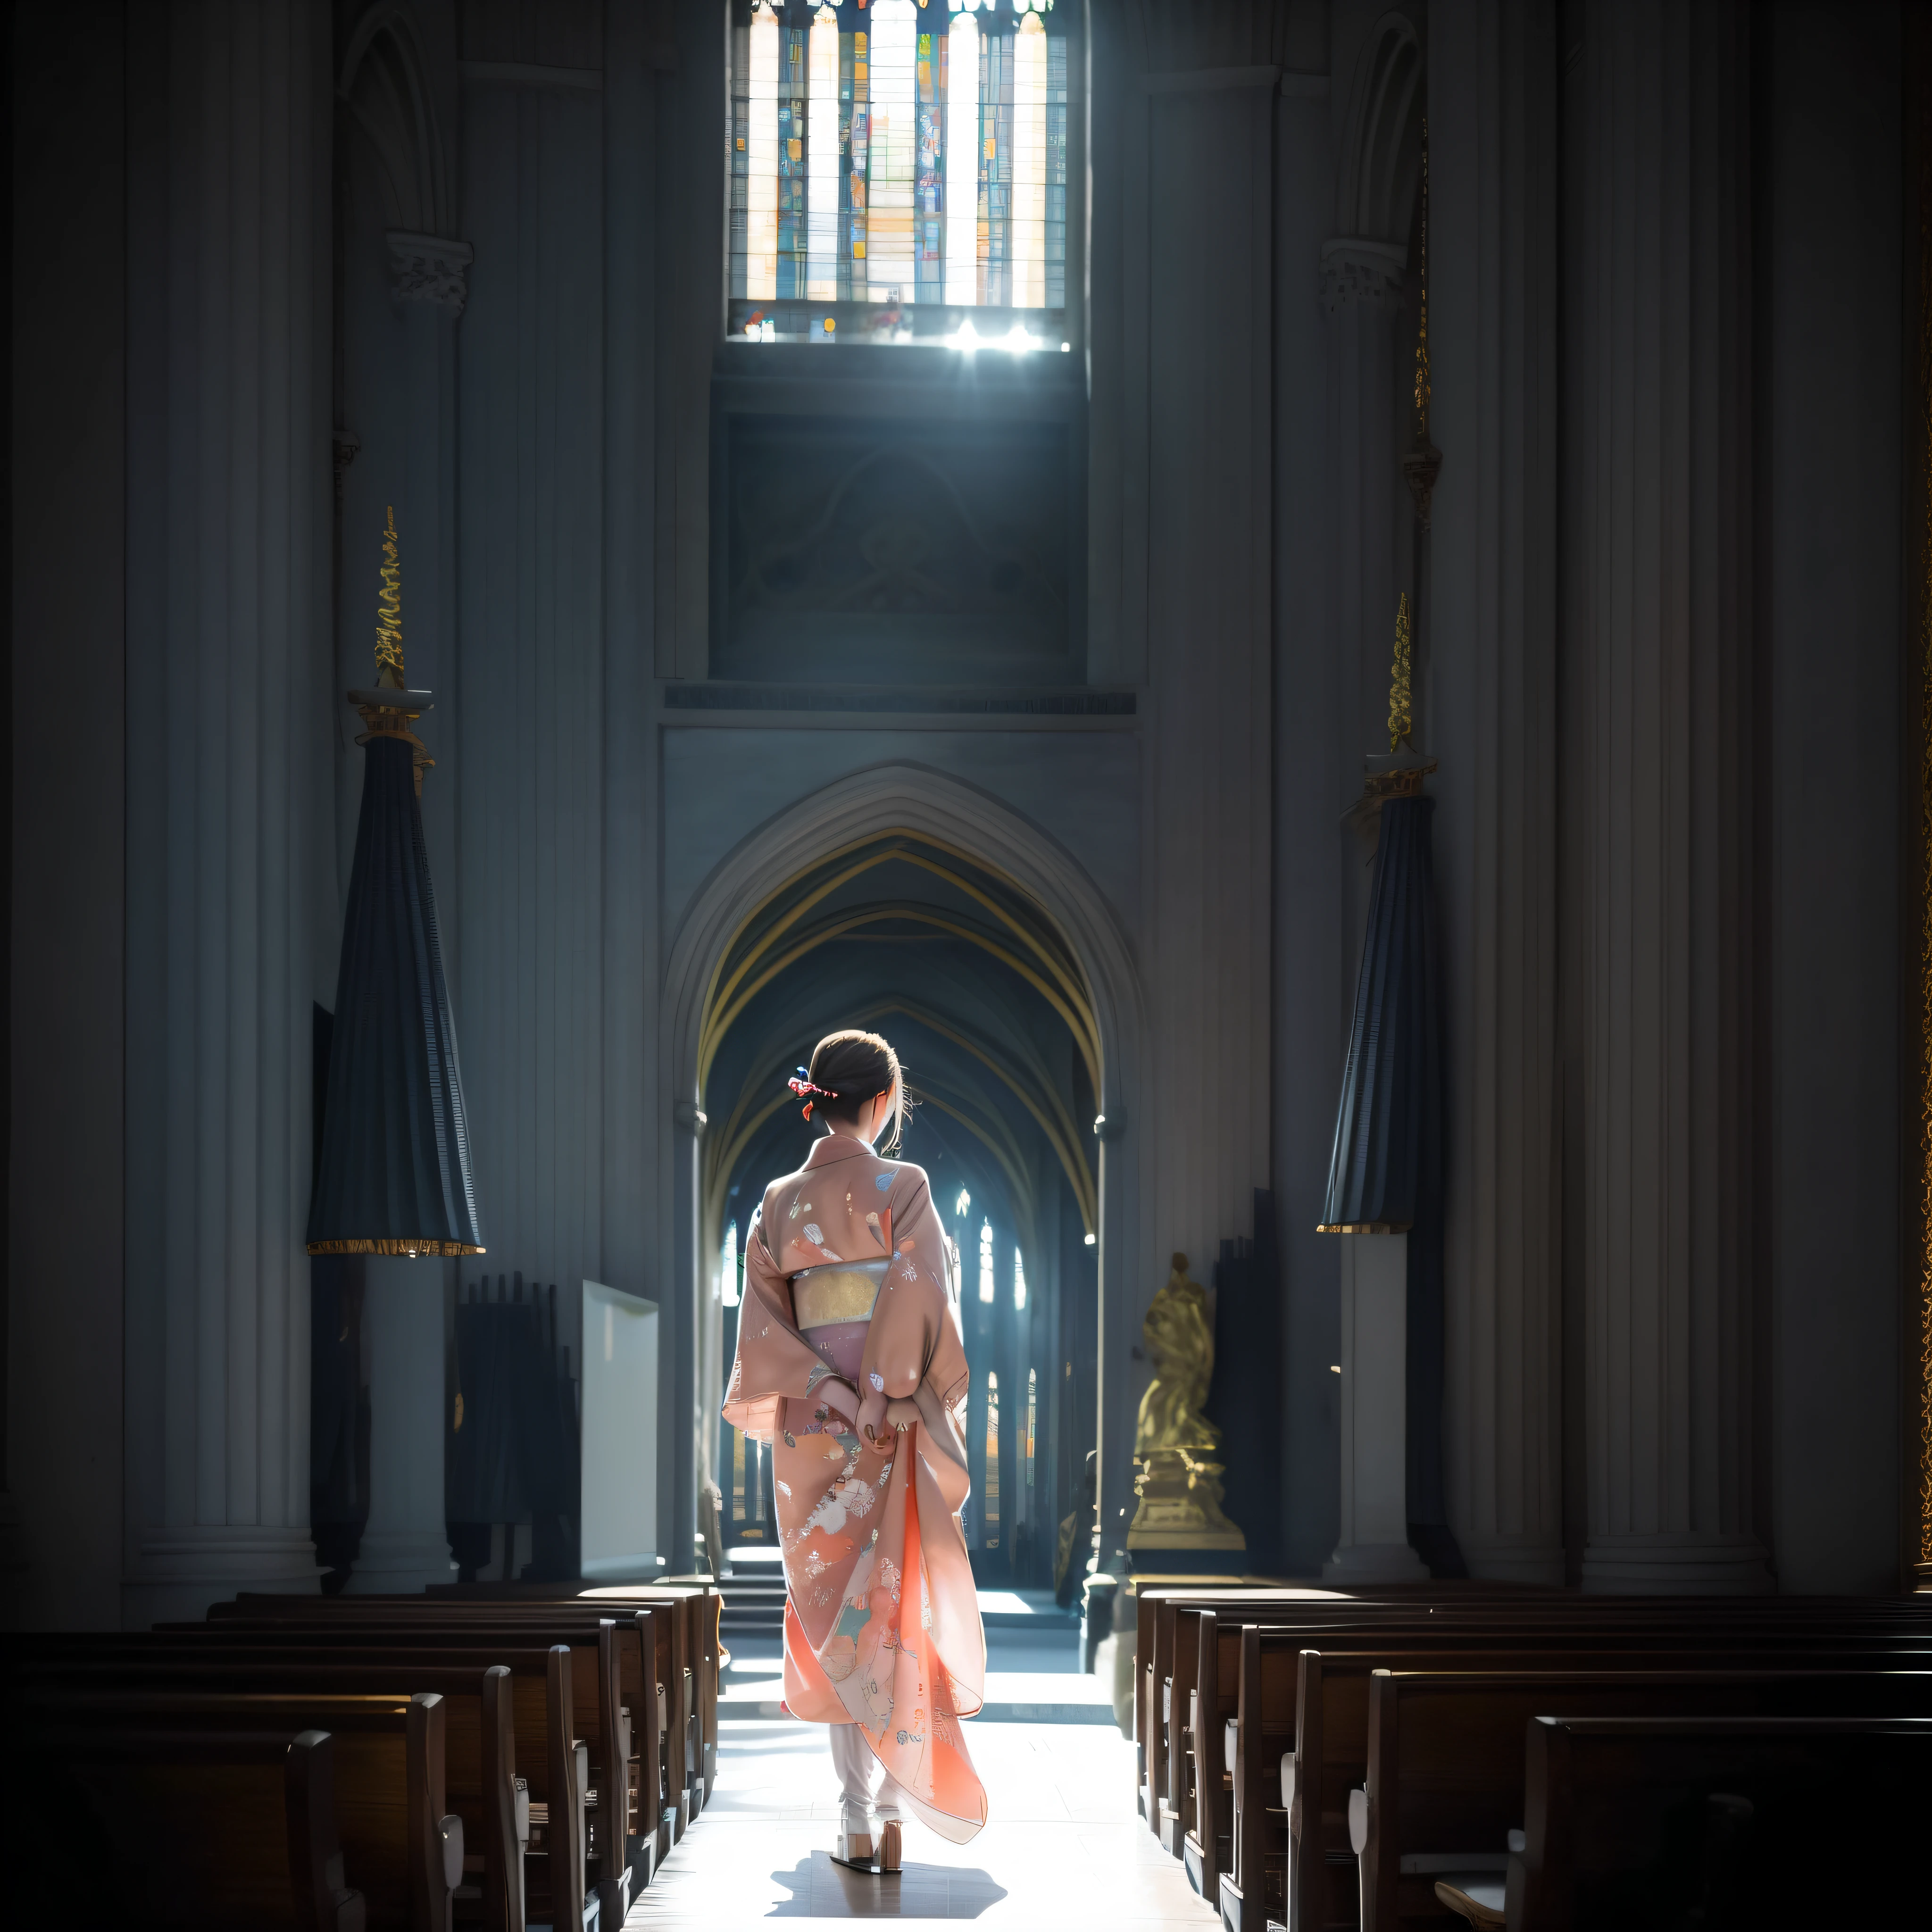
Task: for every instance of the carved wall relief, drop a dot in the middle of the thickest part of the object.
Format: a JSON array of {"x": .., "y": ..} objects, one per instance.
[{"x": 895, "y": 553}]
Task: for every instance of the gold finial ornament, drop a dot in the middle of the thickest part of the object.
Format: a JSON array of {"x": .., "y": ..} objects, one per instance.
[
  {"x": 1401, "y": 718},
  {"x": 1399, "y": 772},
  {"x": 389, "y": 613},
  {"x": 391, "y": 708}
]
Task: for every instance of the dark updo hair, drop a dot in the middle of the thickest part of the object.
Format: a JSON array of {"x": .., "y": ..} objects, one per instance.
[{"x": 857, "y": 1067}]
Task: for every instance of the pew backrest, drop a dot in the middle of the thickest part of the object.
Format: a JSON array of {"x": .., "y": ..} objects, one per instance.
[
  {"x": 1444, "y": 1775},
  {"x": 216, "y": 1829},
  {"x": 1832, "y": 1811},
  {"x": 484, "y": 1707},
  {"x": 396, "y": 1832},
  {"x": 1324, "y": 1740}
]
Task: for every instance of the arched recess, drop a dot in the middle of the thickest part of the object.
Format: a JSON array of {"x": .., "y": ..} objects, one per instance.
[
  {"x": 1381, "y": 152},
  {"x": 941, "y": 811},
  {"x": 383, "y": 88},
  {"x": 931, "y": 812}
]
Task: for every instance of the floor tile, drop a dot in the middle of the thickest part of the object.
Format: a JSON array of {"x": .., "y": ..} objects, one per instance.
[{"x": 1062, "y": 1848}]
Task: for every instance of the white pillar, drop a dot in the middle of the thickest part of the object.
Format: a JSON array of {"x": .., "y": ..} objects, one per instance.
[
  {"x": 1660, "y": 610},
  {"x": 1374, "y": 1546},
  {"x": 229, "y": 119},
  {"x": 405, "y": 1543},
  {"x": 1493, "y": 644}
]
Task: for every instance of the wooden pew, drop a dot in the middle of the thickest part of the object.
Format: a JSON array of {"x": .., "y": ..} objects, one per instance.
[
  {"x": 688, "y": 1617},
  {"x": 396, "y": 1833},
  {"x": 1274, "y": 1721},
  {"x": 1194, "y": 1768},
  {"x": 1154, "y": 1643},
  {"x": 1209, "y": 1805},
  {"x": 1164, "y": 1645},
  {"x": 1196, "y": 1801},
  {"x": 690, "y": 1673},
  {"x": 1445, "y": 1785},
  {"x": 1650, "y": 1624},
  {"x": 608, "y": 1682},
  {"x": 1283, "y": 1603},
  {"x": 1180, "y": 1763},
  {"x": 694, "y": 1602},
  {"x": 656, "y": 1685},
  {"x": 1831, "y": 1830},
  {"x": 487, "y": 1708},
  {"x": 224, "y": 1830},
  {"x": 1254, "y": 1888}
]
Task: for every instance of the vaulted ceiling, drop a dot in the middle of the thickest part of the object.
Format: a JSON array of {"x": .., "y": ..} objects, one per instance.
[{"x": 970, "y": 980}]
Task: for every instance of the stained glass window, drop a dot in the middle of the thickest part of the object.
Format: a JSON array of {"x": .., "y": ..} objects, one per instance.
[
  {"x": 986, "y": 1261},
  {"x": 1019, "y": 1281},
  {"x": 898, "y": 171},
  {"x": 1032, "y": 1420},
  {"x": 728, "y": 1265},
  {"x": 989, "y": 1516}
]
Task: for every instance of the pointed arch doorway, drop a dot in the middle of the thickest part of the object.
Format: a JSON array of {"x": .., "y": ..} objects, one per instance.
[{"x": 906, "y": 902}]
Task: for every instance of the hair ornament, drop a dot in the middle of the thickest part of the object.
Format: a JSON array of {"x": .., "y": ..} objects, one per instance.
[{"x": 801, "y": 1082}]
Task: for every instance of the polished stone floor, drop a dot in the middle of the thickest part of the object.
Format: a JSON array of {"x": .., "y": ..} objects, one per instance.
[{"x": 1064, "y": 1847}]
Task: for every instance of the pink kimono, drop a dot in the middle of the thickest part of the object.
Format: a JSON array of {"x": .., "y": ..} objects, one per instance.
[{"x": 882, "y": 1625}]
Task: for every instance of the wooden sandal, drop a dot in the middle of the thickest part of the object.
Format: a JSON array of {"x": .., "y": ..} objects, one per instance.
[
  {"x": 856, "y": 1845},
  {"x": 855, "y": 1850}
]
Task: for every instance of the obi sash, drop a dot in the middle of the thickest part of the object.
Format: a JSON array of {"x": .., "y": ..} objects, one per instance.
[{"x": 839, "y": 1292}]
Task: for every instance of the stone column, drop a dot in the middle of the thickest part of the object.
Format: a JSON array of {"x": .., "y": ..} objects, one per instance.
[
  {"x": 1205, "y": 817},
  {"x": 1660, "y": 607},
  {"x": 525, "y": 727},
  {"x": 405, "y": 1543},
  {"x": 230, "y": 940},
  {"x": 1493, "y": 643}
]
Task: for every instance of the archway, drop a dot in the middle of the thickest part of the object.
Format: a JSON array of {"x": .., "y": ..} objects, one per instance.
[{"x": 904, "y": 899}]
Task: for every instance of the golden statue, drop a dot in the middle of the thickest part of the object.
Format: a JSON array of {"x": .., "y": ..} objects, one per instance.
[
  {"x": 1181, "y": 1344},
  {"x": 1179, "y": 1484}
]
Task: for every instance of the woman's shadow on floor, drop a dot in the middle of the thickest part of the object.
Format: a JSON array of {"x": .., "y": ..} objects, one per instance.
[{"x": 821, "y": 1888}]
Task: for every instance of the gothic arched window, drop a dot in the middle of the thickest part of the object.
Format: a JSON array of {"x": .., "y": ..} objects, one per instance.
[
  {"x": 892, "y": 183},
  {"x": 989, "y": 1515}
]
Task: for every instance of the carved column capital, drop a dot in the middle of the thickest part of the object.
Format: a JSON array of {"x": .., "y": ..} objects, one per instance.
[
  {"x": 1356, "y": 271},
  {"x": 429, "y": 268}
]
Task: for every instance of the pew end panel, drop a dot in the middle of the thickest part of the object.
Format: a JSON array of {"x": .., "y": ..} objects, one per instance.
[{"x": 1210, "y": 1850}]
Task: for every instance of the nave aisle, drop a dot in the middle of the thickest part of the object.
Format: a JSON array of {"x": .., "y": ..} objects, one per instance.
[{"x": 1063, "y": 1849}]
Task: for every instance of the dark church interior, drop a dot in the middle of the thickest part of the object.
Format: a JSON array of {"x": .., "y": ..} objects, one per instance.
[{"x": 1312, "y": 620}]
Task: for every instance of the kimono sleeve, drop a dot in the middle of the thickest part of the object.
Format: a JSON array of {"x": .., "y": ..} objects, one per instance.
[
  {"x": 773, "y": 1361},
  {"x": 913, "y": 1337}
]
